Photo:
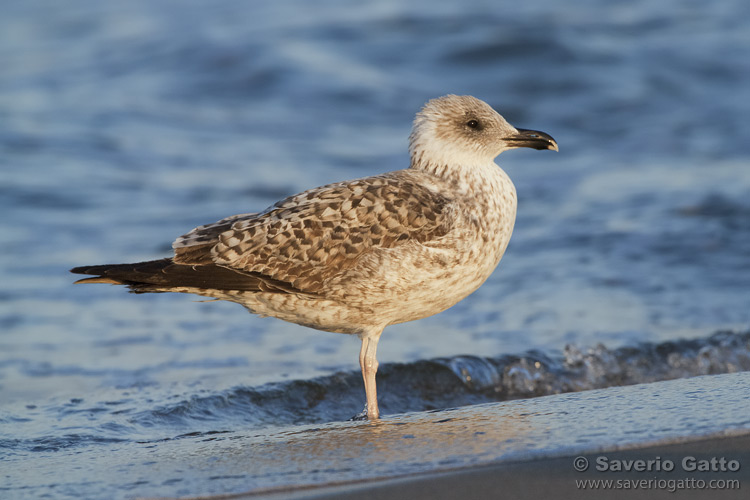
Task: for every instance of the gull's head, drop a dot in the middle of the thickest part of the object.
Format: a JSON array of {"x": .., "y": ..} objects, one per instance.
[{"x": 461, "y": 129}]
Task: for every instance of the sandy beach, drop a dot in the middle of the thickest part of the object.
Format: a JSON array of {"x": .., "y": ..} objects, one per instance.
[{"x": 557, "y": 478}]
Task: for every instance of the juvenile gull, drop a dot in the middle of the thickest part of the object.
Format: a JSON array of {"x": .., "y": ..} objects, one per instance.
[{"x": 357, "y": 256}]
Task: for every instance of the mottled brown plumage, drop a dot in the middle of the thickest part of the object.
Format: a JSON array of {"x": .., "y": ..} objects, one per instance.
[
  {"x": 357, "y": 256},
  {"x": 308, "y": 239}
]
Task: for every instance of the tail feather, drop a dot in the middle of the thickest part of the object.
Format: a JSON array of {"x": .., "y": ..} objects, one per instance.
[
  {"x": 164, "y": 275},
  {"x": 140, "y": 273}
]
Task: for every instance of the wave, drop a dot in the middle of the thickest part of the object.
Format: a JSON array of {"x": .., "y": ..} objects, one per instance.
[
  {"x": 461, "y": 380},
  {"x": 403, "y": 387}
]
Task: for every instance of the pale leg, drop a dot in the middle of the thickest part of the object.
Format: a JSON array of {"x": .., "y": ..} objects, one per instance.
[{"x": 369, "y": 365}]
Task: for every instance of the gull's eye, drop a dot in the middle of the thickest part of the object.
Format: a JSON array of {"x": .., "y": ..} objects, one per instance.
[{"x": 472, "y": 124}]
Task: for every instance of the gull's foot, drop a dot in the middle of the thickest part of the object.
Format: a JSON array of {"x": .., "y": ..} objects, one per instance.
[{"x": 360, "y": 416}]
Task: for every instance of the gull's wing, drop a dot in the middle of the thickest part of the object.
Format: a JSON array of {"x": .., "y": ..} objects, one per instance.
[
  {"x": 191, "y": 248},
  {"x": 308, "y": 238}
]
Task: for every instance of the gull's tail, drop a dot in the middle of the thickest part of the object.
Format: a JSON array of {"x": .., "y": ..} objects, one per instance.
[
  {"x": 164, "y": 275},
  {"x": 138, "y": 276}
]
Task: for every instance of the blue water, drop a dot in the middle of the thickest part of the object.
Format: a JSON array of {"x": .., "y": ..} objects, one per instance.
[{"x": 123, "y": 125}]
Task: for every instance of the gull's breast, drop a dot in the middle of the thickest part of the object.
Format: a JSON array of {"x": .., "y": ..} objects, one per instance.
[{"x": 417, "y": 280}]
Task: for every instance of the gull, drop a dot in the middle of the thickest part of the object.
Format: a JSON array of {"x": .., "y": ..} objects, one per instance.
[{"x": 356, "y": 256}]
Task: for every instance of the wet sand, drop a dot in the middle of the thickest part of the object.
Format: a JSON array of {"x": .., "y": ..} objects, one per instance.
[{"x": 557, "y": 478}]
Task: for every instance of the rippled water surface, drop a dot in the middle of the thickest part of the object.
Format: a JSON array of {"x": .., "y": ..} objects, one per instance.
[{"x": 123, "y": 125}]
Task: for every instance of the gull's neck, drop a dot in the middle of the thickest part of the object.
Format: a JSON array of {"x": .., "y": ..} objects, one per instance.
[{"x": 465, "y": 173}]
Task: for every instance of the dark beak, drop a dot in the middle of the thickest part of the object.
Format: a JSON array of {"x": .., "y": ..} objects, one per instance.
[{"x": 531, "y": 139}]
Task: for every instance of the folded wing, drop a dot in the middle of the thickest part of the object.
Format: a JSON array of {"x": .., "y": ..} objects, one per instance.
[{"x": 301, "y": 242}]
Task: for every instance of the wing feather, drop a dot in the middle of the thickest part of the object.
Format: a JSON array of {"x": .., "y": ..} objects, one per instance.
[{"x": 307, "y": 239}]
